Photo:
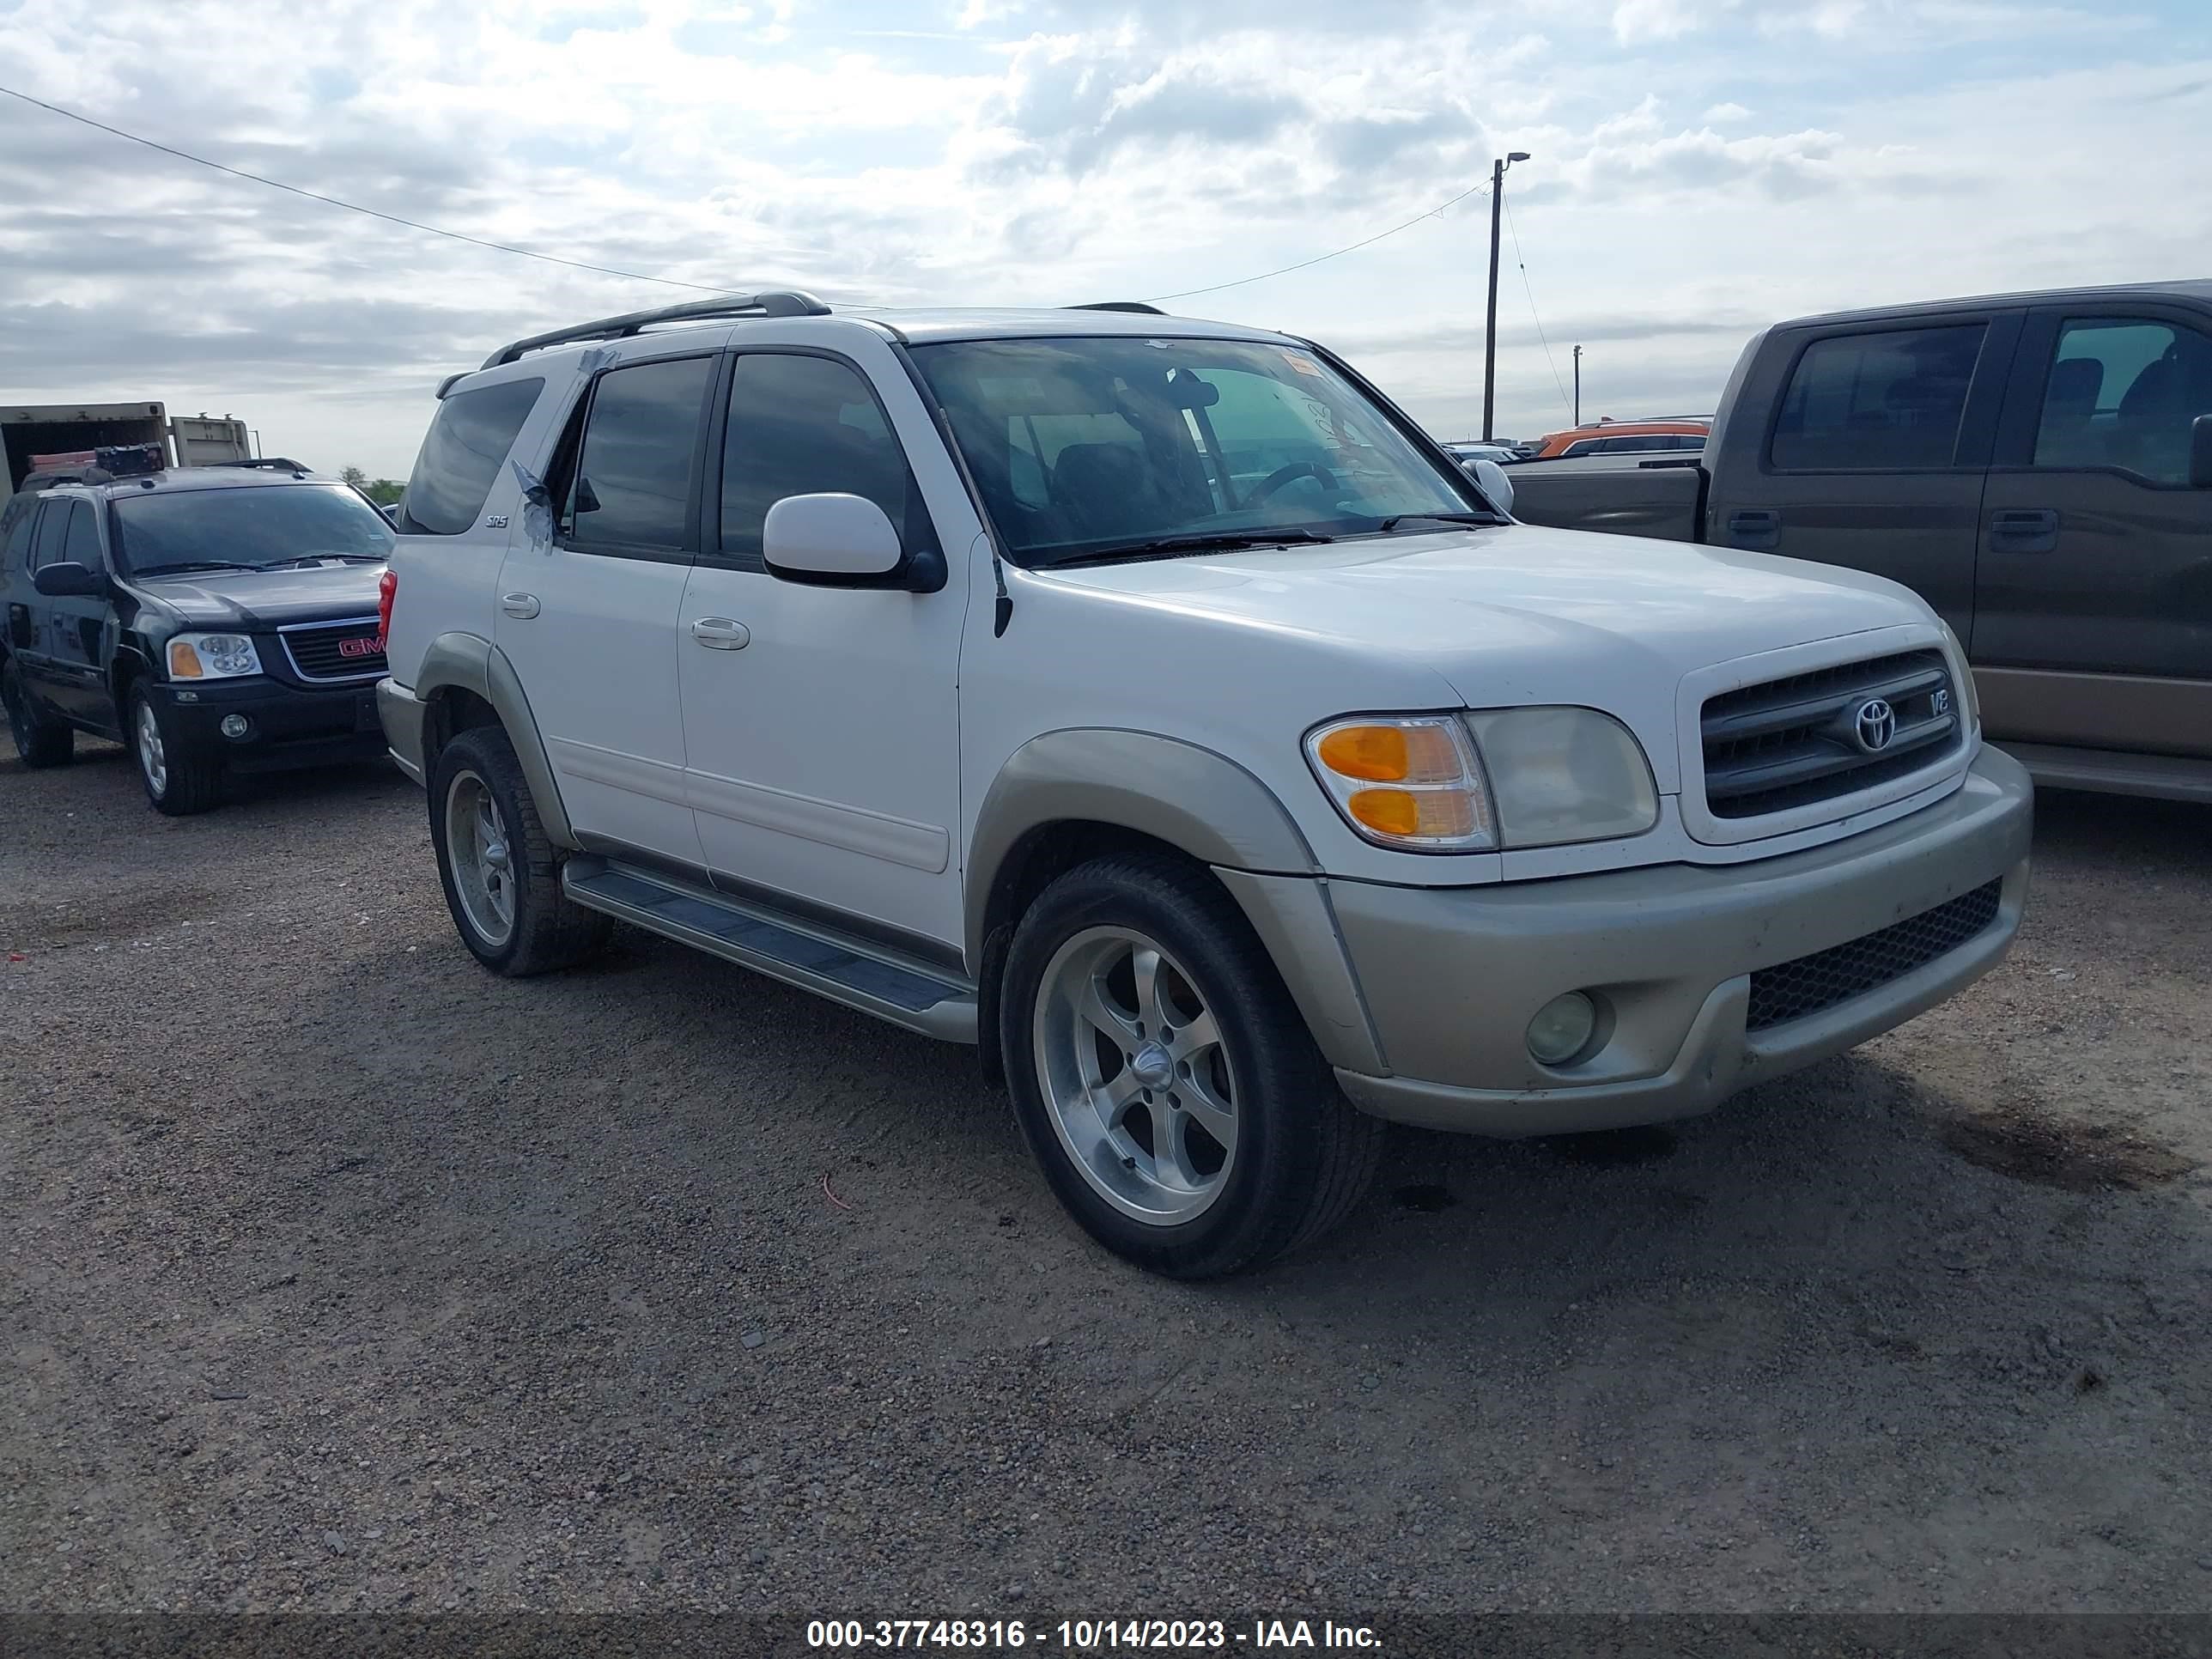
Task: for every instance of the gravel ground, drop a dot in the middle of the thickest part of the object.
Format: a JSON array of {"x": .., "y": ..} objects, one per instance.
[{"x": 342, "y": 1275}]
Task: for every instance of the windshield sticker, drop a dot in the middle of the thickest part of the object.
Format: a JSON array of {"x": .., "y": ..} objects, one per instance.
[{"x": 1304, "y": 364}]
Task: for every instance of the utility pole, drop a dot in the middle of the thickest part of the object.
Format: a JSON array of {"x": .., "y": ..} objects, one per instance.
[
  {"x": 1489, "y": 328},
  {"x": 1578, "y": 386}
]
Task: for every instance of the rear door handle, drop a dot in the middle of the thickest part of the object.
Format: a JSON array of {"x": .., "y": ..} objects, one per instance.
[
  {"x": 721, "y": 633},
  {"x": 518, "y": 605},
  {"x": 1756, "y": 530},
  {"x": 2025, "y": 531}
]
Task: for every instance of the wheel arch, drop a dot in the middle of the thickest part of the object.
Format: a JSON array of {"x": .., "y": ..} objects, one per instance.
[
  {"x": 466, "y": 681},
  {"x": 1071, "y": 796},
  {"x": 130, "y": 665},
  {"x": 1087, "y": 779}
]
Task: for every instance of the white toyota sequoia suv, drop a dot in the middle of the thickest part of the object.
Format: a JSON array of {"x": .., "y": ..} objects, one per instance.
[{"x": 1152, "y": 704}]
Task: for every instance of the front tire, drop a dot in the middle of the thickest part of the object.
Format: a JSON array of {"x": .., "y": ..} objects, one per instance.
[
  {"x": 1165, "y": 1082},
  {"x": 501, "y": 872},
  {"x": 180, "y": 781},
  {"x": 40, "y": 739}
]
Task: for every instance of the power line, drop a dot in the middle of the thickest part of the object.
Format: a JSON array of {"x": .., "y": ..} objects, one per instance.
[
  {"x": 1539, "y": 321},
  {"x": 1317, "y": 258},
  {"x": 355, "y": 207}
]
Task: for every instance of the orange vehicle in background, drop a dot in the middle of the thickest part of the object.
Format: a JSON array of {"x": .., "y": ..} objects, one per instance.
[{"x": 1611, "y": 437}]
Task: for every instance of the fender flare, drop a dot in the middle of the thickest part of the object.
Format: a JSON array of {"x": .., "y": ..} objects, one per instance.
[
  {"x": 1206, "y": 806},
  {"x": 1191, "y": 798},
  {"x": 468, "y": 662}
]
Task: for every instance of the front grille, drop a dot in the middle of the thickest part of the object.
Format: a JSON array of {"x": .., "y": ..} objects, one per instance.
[
  {"x": 1796, "y": 741},
  {"x": 336, "y": 651},
  {"x": 1792, "y": 990}
]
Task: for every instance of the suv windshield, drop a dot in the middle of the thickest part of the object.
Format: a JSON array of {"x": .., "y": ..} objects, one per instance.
[
  {"x": 1095, "y": 446},
  {"x": 247, "y": 528}
]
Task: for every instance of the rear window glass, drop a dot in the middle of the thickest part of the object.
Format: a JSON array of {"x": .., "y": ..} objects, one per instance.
[
  {"x": 1887, "y": 401},
  {"x": 633, "y": 482},
  {"x": 461, "y": 456}
]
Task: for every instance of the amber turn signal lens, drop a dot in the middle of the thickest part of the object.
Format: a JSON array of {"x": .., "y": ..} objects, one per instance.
[
  {"x": 1391, "y": 754},
  {"x": 184, "y": 661},
  {"x": 1375, "y": 753},
  {"x": 1426, "y": 789},
  {"x": 1431, "y": 815}
]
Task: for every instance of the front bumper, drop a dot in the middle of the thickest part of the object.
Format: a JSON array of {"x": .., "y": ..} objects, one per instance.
[
  {"x": 289, "y": 726},
  {"x": 1450, "y": 979}
]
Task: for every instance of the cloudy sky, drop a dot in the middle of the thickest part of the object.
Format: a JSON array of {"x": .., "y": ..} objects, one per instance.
[{"x": 1699, "y": 167}]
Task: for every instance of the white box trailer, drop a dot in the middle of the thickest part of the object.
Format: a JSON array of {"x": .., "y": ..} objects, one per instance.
[{"x": 29, "y": 429}]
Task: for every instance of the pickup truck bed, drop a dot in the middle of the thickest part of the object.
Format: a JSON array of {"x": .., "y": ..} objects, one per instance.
[{"x": 1621, "y": 496}]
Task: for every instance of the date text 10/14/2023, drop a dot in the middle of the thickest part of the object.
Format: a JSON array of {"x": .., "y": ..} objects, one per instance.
[{"x": 1091, "y": 1635}]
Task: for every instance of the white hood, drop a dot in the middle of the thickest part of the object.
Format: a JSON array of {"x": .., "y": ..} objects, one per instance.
[
  {"x": 1519, "y": 614},
  {"x": 1472, "y": 602}
]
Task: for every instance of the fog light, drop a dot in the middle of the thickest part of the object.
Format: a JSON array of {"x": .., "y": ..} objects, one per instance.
[
  {"x": 1562, "y": 1029},
  {"x": 236, "y": 725}
]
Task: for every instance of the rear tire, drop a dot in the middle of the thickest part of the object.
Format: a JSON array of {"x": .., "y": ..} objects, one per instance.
[
  {"x": 180, "y": 781},
  {"x": 1165, "y": 1082},
  {"x": 501, "y": 872},
  {"x": 40, "y": 739}
]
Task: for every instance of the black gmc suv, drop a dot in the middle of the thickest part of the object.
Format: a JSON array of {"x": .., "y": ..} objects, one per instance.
[{"x": 215, "y": 619}]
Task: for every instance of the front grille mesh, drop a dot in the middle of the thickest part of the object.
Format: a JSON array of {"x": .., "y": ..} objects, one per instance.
[
  {"x": 343, "y": 651},
  {"x": 1790, "y": 742},
  {"x": 1792, "y": 990}
]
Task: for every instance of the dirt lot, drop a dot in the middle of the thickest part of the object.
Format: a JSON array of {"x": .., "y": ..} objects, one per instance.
[{"x": 340, "y": 1275}]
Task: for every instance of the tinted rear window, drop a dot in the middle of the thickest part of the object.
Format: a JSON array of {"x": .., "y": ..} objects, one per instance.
[
  {"x": 1889, "y": 401},
  {"x": 461, "y": 456},
  {"x": 632, "y": 483}
]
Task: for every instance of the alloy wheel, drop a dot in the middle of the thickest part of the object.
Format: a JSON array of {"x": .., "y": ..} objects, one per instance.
[{"x": 1137, "y": 1084}]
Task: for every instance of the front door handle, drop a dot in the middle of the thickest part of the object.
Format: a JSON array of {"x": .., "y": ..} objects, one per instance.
[
  {"x": 2027, "y": 530},
  {"x": 721, "y": 633},
  {"x": 518, "y": 605},
  {"x": 1755, "y": 530}
]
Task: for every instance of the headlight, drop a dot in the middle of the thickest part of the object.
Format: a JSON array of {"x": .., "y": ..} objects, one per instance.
[
  {"x": 1970, "y": 701},
  {"x": 1564, "y": 775},
  {"x": 1514, "y": 777},
  {"x": 1412, "y": 781},
  {"x": 212, "y": 657}
]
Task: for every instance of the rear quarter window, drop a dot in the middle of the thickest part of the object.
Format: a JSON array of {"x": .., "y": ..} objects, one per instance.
[
  {"x": 462, "y": 454},
  {"x": 1889, "y": 401}
]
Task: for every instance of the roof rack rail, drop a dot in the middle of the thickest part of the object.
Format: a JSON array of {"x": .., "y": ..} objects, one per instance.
[
  {"x": 770, "y": 302},
  {"x": 1138, "y": 305},
  {"x": 266, "y": 463}
]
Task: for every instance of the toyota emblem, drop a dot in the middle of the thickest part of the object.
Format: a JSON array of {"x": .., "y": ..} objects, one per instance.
[{"x": 1874, "y": 724}]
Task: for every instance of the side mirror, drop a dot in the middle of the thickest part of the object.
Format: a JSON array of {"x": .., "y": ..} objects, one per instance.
[
  {"x": 2200, "y": 452},
  {"x": 835, "y": 540},
  {"x": 1496, "y": 485},
  {"x": 66, "y": 581}
]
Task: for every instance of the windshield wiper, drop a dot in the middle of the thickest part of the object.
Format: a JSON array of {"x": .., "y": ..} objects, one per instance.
[
  {"x": 1397, "y": 519},
  {"x": 1163, "y": 546},
  {"x": 317, "y": 559},
  {"x": 191, "y": 564}
]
